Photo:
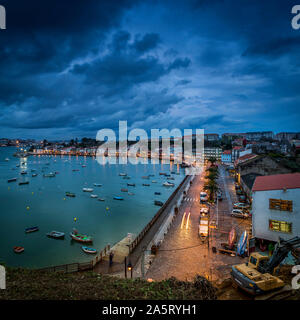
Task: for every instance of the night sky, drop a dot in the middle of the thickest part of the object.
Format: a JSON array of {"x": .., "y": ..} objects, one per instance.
[{"x": 70, "y": 68}]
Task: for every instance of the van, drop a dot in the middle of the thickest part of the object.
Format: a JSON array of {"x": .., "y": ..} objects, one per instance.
[{"x": 203, "y": 196}]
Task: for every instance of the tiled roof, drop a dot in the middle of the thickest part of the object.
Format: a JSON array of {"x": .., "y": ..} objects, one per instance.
[
  {"x": 277, "y": 182},
  {"x": 244, "y": 158}
]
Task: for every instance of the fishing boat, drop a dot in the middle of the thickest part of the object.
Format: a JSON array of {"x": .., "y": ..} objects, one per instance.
[
  {"x": 131, "y": 184},
  {"x": 23, "y": 182},
  {"x": 18, "y": 249},
  {"x": 49, "y": 175},
  {"x": 122, "y": 174},
  {"x": 124, "y": 190},
  {"x": 168, "y": 184},
  {"x": 231, "y": 238},
  {"x": 89, "y": 250},
  {"x": 101, "y": 199},
  {"x": 80, "y": 237},
  {"x": 87, "y": 189},
  {"x": 97, "y": 184},
  {"x": 242, "y": 244},
  {"x": 146, "y": 184},
  {"x": 157, "y": 193},
  {"x": 12, "y": 180},
  {"x": 56, "y": 235},
  {"x": 158, "y": 203},
  {"x": 31, "y": 229},
  {"x": 34, "y": 174},
  {"x": 70, "y": 194},
  {"x": 94, "y": 196},
  {"x": 118, "y": 198}
]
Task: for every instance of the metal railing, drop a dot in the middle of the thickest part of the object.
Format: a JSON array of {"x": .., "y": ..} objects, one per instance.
[{"x": 79, "y": 266}]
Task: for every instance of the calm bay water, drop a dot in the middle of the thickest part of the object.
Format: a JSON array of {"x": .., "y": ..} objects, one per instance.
[{"x": 43, "y": 203}]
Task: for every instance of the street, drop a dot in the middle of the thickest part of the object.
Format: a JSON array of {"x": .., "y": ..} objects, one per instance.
[{"x": 182, "y": 254}]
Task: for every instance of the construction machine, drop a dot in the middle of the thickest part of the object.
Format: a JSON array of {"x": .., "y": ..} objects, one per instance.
[{"x": 256, "y": 276}]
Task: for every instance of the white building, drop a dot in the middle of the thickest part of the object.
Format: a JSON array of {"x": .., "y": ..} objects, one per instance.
[
  {"x": 276, "y": 206},
  {"x": 210, "y": 152}
]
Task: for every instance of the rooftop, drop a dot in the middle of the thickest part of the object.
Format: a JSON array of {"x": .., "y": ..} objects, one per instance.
[{"x": 277, "y": 182}]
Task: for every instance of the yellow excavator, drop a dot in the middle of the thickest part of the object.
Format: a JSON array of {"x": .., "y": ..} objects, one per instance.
[{"x": 256, "y": 276}]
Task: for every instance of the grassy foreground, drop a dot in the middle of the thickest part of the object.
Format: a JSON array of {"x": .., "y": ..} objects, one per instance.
[{"x": 24, "y": 284}]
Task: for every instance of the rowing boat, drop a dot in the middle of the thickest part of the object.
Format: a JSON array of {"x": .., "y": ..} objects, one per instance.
[
  {"x": 89, "y": 250},
  {"x": 31, "y": 229}
]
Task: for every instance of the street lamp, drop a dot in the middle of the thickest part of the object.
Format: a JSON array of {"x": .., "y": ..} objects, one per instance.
[{"x": 129, "y": 268}]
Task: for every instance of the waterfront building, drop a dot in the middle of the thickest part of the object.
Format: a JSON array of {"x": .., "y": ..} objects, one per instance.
[{"x": 211, "y": 152}]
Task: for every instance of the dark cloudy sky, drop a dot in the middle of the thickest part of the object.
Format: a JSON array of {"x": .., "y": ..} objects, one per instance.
[{"x": 70, "y": 68}]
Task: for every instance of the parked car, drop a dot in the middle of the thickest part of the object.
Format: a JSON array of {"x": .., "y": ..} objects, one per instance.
[
  {"x": 204, "y": 211},
  {"x": 239, "y": 214},
  {"x": 241, "y": 205},
  {"x": 203, "y": 196}
]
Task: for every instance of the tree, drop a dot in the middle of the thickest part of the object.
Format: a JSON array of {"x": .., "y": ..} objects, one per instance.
[
  {"x": 212, "y": 187},
  {"x": 212, "y": 160}
]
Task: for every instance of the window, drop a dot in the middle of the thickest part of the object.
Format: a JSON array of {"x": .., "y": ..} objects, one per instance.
[
  {"x": 283, "y": 205},
  {"x": 280, "y": 226}
]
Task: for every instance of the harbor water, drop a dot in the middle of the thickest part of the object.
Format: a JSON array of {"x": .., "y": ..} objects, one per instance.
[{"x": 43, "y": 203}]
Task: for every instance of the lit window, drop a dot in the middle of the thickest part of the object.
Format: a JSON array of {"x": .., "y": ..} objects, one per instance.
[
  {"x": 280, "y": 226},
  {"x": 282, "y": 205}
]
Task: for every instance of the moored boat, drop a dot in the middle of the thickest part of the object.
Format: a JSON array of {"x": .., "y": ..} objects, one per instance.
[
  {"x": 101, "y": 199},
  {"x": 94, "y": 196},
  {"x": 118, "y": 198},
  {"x": 12, "y": 180},
  {"x": 131, "y": 184},
  {"x": 89, "y": 250},
  {"x": 157, "y": 193},
  {"x": 23, "y": 172},
  {"x": 31, "y": 229},
  {"x": 122, "y": 174},
  {"x": 158, "y": 203},
  {"x": 49, "y": 175},
  {"x": 146, "y": 184},
  {"x": 56, "y": 235},
  {"x": 34, "y": 175},
  {"x": 6, "y": 159},
  {"x": 23, "y": 182},
  {"x": 168, "y": 184},
  {"x": 18, "y": 249},
  {"x": 80, "y": 237},
  {"x": 124, "y": 190},
  {"x": 87, "y": 189},
  {"x": 130, "y": 193},
  {"x": 70, "y": 194},
  {"x": 97, "y": 184}
]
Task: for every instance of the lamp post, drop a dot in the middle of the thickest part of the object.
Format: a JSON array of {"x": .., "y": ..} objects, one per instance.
[{"x": 129, "y": 268}]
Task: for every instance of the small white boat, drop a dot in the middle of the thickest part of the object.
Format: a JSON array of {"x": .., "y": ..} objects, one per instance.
[
  {"x": 87, "y": 189},
  {"x": 153, "y": 181},
  {"x": 101, "y": 199},
  {"x": 168, "y": 184},
  {"x": 89, "y": 250},
  {"x": 123, "y": 174},
  {"x": 94, "y": 196},
  {"x": 6, "y": 159},
  {"x": 97, "y": 184}
]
